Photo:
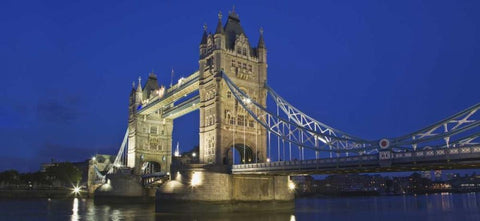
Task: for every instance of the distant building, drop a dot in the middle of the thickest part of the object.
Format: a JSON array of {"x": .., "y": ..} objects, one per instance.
[{"x": 427, "y": 174}]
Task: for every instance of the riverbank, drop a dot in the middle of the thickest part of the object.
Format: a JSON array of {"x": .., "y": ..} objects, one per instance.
[
  {"x": 376, "y": 193},
  {"x": 41, "y": 193}
]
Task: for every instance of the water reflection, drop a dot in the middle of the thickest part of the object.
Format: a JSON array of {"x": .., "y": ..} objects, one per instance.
[
  {"x": 470, "y": 200},
  {"x": 447, "y": 202},
  {"x": 75, "y": 216},
  {"x": 435, "y": 207}
]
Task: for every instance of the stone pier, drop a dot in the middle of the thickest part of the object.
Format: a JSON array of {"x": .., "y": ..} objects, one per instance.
[{"x": 213, "y": 184}]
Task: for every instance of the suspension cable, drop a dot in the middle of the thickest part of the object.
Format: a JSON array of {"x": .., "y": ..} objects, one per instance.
[
  {"x": 256, "y": 141},
  {"x": 244, "y": 146},
  {"x": 233, "y": 131},
  {"x": 278, "y": 142}
]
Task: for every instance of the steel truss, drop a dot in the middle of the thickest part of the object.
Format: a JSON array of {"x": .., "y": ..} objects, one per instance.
[
  {"x": 300, "y": 129},
  {"x": 303, "y": 120},
  {"x": 461, "y": 129}
]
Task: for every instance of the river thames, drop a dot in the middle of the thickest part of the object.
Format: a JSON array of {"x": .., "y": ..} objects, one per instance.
[{"x": 435, "y": 207}]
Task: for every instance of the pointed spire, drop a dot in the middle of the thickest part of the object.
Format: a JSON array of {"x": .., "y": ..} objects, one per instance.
[
  {"x": 261, "y": 42},
  {"x": 139, "y": 86},
  {"x": 132, "y": 92},
  {"x": 177, "y": 151},
  {"x": 171, "y": 78},
  {"x": 204, "y": 37},
  {"x": 219, "y": 24}
]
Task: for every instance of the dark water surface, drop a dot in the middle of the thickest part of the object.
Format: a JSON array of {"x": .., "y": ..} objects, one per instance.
[{"x": 434, "y": 207}]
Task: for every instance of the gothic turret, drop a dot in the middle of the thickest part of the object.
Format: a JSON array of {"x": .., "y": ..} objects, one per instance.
[
  {"x": 219, "y": 29},
  {"x": 139, "y": 93},
  {"x": 151, "y": 86},
  {"x": 203, "y": 43},
  {"x": 219, "y": 37},
  {"x": 205, "y": 35},
  {"x": 261, "y": 49},
  {"x": 132, "y": 94}
]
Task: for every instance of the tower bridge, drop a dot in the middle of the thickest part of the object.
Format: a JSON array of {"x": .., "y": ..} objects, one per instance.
[{"x": 246, "y": 150}]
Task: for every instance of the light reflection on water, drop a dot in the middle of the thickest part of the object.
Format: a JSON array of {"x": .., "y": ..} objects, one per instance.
[
  {"x": 435, "y": 207},
  {"x": 75, "y": 210}
]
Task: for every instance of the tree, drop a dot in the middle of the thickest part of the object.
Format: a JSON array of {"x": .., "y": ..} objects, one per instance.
[
  {"x": 38, "y": 178},
  {"x": 66, "y": 173},
  {"x": 10, "y": 177}
]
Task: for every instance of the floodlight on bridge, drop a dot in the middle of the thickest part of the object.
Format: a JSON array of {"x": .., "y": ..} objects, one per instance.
[{"x": 196, "y": 179}]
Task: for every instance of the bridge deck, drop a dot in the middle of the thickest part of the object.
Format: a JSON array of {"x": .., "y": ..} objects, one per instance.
[
  {"x": 182, "y": 108},
  {"x": 179, "y": 90},
  {"x": 452, "y": 158}
]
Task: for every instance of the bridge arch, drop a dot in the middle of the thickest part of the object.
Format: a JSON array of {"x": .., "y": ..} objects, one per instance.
[
  {"x": 150, "y": 167},
  {"x": 244, "y": 153}
]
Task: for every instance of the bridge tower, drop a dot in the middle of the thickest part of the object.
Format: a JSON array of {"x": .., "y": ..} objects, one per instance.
[
  {"x": 224, "y": 124},
  {"x": 150, "y": 136}
]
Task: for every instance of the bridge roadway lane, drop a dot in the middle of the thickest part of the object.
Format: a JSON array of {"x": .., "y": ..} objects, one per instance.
[{"x": 448, "y": 158}]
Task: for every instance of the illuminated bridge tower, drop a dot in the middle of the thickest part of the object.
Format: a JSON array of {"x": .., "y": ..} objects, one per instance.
[
  {"x": 149, "y": 136},
  {"x": 224, "y": 125}
]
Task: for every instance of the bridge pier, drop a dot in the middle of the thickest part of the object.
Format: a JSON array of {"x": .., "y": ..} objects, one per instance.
[
  {"x": 121, "y": 185},
  {"x": 213, "y": 184}
]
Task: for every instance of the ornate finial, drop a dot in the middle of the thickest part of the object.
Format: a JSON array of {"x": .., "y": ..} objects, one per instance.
[
  {"x": 133, "y": 84},
  {"x": 261, "y": 30},
  {"x": 205, "y": 26},
  {"x": 233, "y": 14},
  {"x": 219, "y": 15},
  {"x": 139, "y": 80}
]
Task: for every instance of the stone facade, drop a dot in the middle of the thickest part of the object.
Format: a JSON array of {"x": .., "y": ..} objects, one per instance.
[{"x": 223, "y": 122}]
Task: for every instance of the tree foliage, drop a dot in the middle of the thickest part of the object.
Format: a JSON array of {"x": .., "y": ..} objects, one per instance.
[
  {"x": 66, "y": 173},
  {"x": 10, "y": 177}
]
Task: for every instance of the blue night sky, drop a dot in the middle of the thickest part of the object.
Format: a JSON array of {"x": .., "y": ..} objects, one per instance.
[{"x": 371, "y": 68}]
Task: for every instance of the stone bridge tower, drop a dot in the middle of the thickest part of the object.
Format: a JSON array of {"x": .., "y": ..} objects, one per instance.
[
  {"x": 149, "y": 136},
  {"x": 223, "y": 121}
]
